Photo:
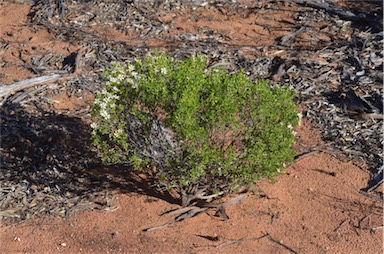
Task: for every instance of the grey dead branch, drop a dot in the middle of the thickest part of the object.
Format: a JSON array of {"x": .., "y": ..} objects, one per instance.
[
  {"x": 6, "y": 90},
  {"x": 193, "y": 210},
  {"x": 37, "y": 181}
]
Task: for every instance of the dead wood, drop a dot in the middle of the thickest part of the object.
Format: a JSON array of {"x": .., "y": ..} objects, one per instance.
[
  {"x": 192, "y": 211},
  {"x": 343, "y": 14},
  {"x": 288, "y": 38},
  {"x": 12, "y": 88}
]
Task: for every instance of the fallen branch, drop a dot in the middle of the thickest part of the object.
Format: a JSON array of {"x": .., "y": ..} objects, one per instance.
[
  {"x": 12, "y": 88},
  {"x": 192, "y": 211},
  {"x": 343, "y": 14},
  {"x": 330, "y": 151}
]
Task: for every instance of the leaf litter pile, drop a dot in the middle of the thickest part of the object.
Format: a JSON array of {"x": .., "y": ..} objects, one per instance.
[{"x": 329, "y": 52}]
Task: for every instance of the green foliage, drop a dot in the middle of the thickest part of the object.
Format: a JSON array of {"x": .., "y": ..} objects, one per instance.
[{"x": 191, "y": 124}]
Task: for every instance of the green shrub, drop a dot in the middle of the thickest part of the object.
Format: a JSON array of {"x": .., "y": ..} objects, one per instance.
[{"x": 191, "y": 125}]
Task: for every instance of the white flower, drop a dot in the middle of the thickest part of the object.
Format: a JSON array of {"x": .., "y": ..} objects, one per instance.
[
  {"x": 104, "y": 113},
  {"x": 113, "y": 80},
  {"x": 134, "y": 83},
  {"x": 129, "y": 80},
  {"x": 94, "y": 125},
  {"x": 130, "y": 68},
  {"x": 97, "y": 101},
  {"x": 134, "y": 74},
  {"x": 163, "y": 71},
  {"x": 280, "y": 169},
  {"x": 300, "y": 115},
  {"x": 114, "y": 96},
  {"x": 290, "y": 126},
  {"x": 104, "y": 91},
  {"x": 118, "y": 132},
  {"x": 120, "y": 77}
]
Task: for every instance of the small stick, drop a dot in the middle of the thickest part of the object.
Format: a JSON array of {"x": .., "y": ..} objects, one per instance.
[
  {"x": 373, "y": 228},
  {"x": 240, "y": 240},
  {"x": 161, "y": 226},
  {"x": 178, "y": 211},
  {"x": 230, "y": 242},
  {"x": 339, "y": 226},
  {"x": 371, "y": 196},
  {"x": 281, "y": 244}
]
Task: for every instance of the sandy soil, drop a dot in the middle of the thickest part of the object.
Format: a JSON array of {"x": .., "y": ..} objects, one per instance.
[{"x": 316, "y": 207}]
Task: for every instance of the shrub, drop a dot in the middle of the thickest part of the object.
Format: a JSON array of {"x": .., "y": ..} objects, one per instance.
[{"x": 193, "y": 126}]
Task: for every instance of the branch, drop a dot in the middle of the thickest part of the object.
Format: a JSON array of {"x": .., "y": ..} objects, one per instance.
[
  {"x": 12, "y": 88},
  {"x": 343, "y": 14}
]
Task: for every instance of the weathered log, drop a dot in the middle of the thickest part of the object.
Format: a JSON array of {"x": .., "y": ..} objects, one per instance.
[{"x": 12, "y": 88}]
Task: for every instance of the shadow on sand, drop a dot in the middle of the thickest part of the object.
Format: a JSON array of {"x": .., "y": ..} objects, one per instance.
[{"x": 51, "y": 154}]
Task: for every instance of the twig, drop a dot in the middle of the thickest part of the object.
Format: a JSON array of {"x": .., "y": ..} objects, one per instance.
[
  {"x": 61, "y": 8},
  {"x": 281, "y": 244},
  {"x": 341, "y": 224},
  {"x": 49, "y": 12},
  {"x": 240, "y": 240},
  {"x": 305, "y": 154},
  {"x": 230, "y": 242},
  {"x": 208, "y": 237},
  {"x": 229, "y": 202},
  {"x": 372, "y": 196},
  {"x": 221, "y": 207},
  {"x": 178, "y": 211},
  {"x": 373, "y": 228},
  {"x": 160, "y": 226},
  {"x": 256, "y": 238},
  {"x": 359, "y": 226}
]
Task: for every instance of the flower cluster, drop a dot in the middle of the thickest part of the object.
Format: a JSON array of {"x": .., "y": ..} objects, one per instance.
[
  {"x": 291, "y": 127},
  {"x": 122, "y": 74},
  {"x": 106, "y": 101},
  {"x": 162, "y": 70},
  {"x": 117, "y": 77}
]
